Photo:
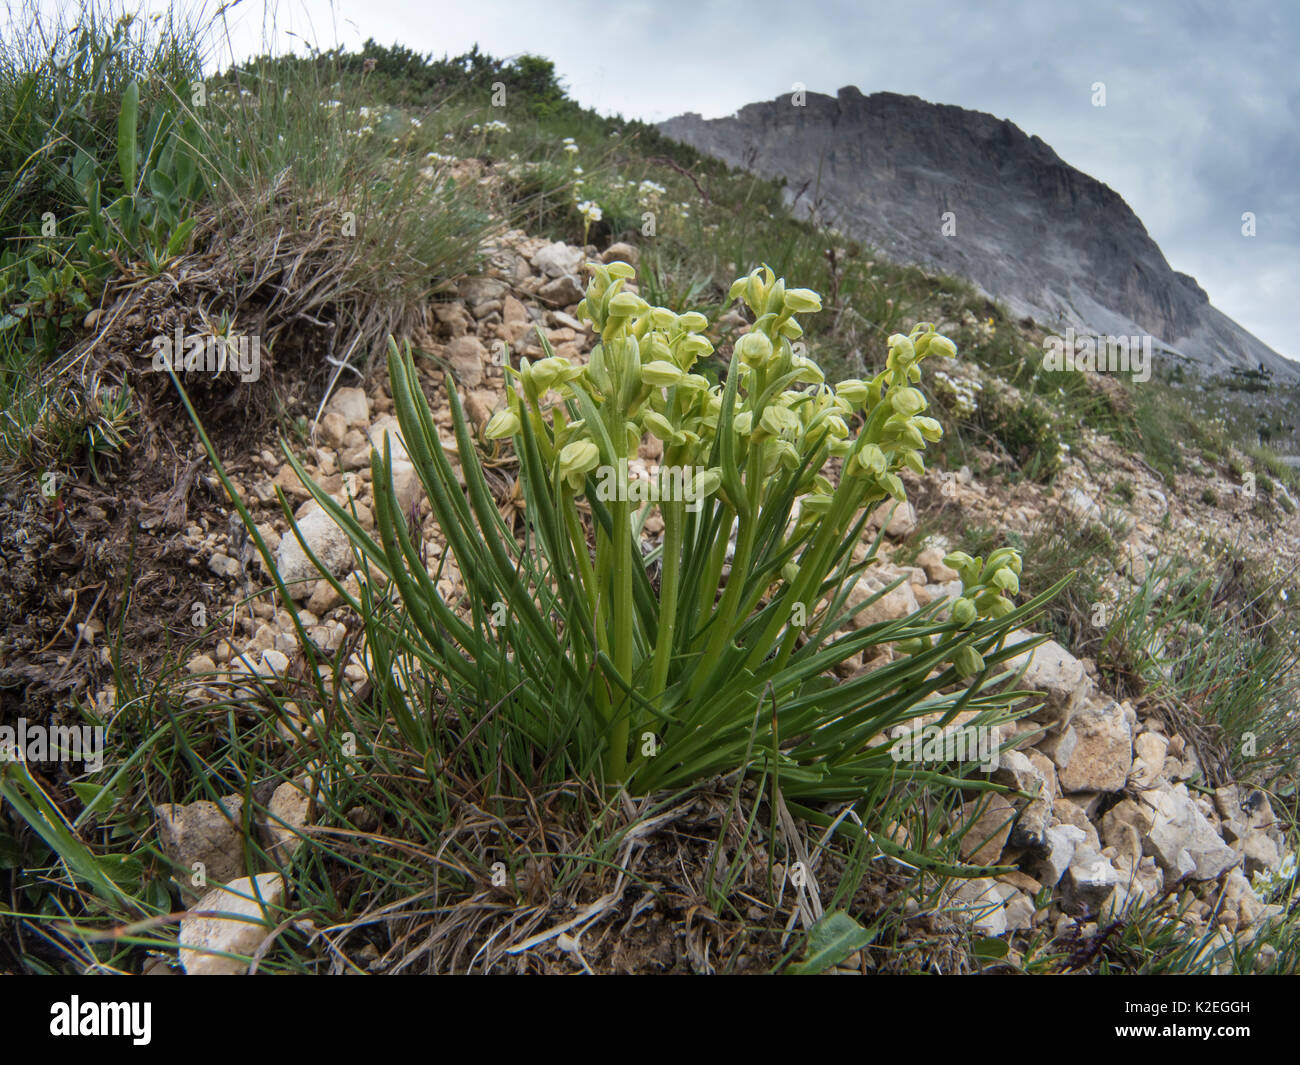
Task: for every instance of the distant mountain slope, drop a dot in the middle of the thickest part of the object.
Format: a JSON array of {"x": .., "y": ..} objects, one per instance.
[{"x": 1045, "y": 238}]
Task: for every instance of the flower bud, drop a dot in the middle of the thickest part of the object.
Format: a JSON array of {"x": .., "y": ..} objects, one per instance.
[
  {"x": 941, "y": 345},
  {"x": 835, "y": 426},
  {"x": 546, "y": 373},
  {"x": 694, "y": 347},
  {"x": 802, "y": 301},
  {"x": 929, "y": 428},
  {"x": 1003, "y": 557},
  {"x": 807, "y": 371},
  {"x": 907, "y": 401},
  {"x": 871, "y": 460},
  {"x": 779, "y": 421},
  {"x": 787, "y": 454},
  {"x": 707, "y": 482},
  {"x": 693, "y": 322},
  {"x": 576, "y": 459},
  {"x": 853, "y": 390},
  {"x": 914, "y": 645},
  {"x": 502, "y": 424},
  {"x": 627, "y": 304},
  {"x": 964, "y": 612},
  {"x": 775, "y": 297},
  {"x": 754, "y": 349},
  {"x": 1001, "y": 607},
  {"x": 1007, "y": 581},
  {"x": 654, "y": 348},
  {"x": 662, "y": 318},
  {"x": 658, "y": 424},
  {"x": 968, "y": 662},
  {"x": 661, "y": 374},
  {"x": 901, "y": 350}
]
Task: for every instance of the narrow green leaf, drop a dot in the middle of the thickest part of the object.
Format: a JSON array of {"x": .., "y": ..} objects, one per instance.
[{"x": 127, "y": 119}]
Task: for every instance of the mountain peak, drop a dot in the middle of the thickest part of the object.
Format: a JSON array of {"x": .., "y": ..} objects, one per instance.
[{"x": 973, "y": 195}]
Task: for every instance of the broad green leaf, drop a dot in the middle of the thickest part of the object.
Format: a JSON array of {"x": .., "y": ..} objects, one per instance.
[
  {"x": 991, "y": 948},
  {"x": 831, "y": 940}
]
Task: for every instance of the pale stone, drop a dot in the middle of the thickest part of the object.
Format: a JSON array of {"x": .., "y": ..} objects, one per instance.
[
  {"x": 225, "y": 566},
  {"x": 989, "y": 828},
  {"x": 201, "y": 664},
  {"x": 1182, "y": 840},
  {"x": 980, "y": 902},
  {"x": 351, "y": 404},
  {"x": 466, "y": 356},
  {"x": 931, "y": 560},
  {"x": 328, "y": 542},
  {"x": 557, "y": 260},
  {"x": 247, "y": 910},
  {"x": 286, "y": 818},
  {"x": 1104, "y": 753},
  {"x": 621, "y": 253},
  {"x": 1017, "y": 771},
  {"x": 1089, "y": 880},
  {"x": 276, "y": 662},
  {"x": 898, "y": 519},
  {"x": 201, "y": 832},
  {"x": 899, "y": 602},
  {"x": 388, "y": 428},
  {"x": 1059, "y": 747},
  {"x": 1052, "y": 670},
  {"x": 333, "y": 428},
  {"x": 1058, "y": 853},
  {"x": 562, "y": 291}
]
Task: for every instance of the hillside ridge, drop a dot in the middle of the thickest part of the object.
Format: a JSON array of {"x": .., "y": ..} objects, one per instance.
[{"x": 1025, "y": 226}]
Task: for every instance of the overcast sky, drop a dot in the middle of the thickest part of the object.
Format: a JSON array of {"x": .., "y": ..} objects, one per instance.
[{"x": 1201, "y": 123}]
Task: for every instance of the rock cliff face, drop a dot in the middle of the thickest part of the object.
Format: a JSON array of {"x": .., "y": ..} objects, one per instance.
[{"x": 1027, "y": 228}]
